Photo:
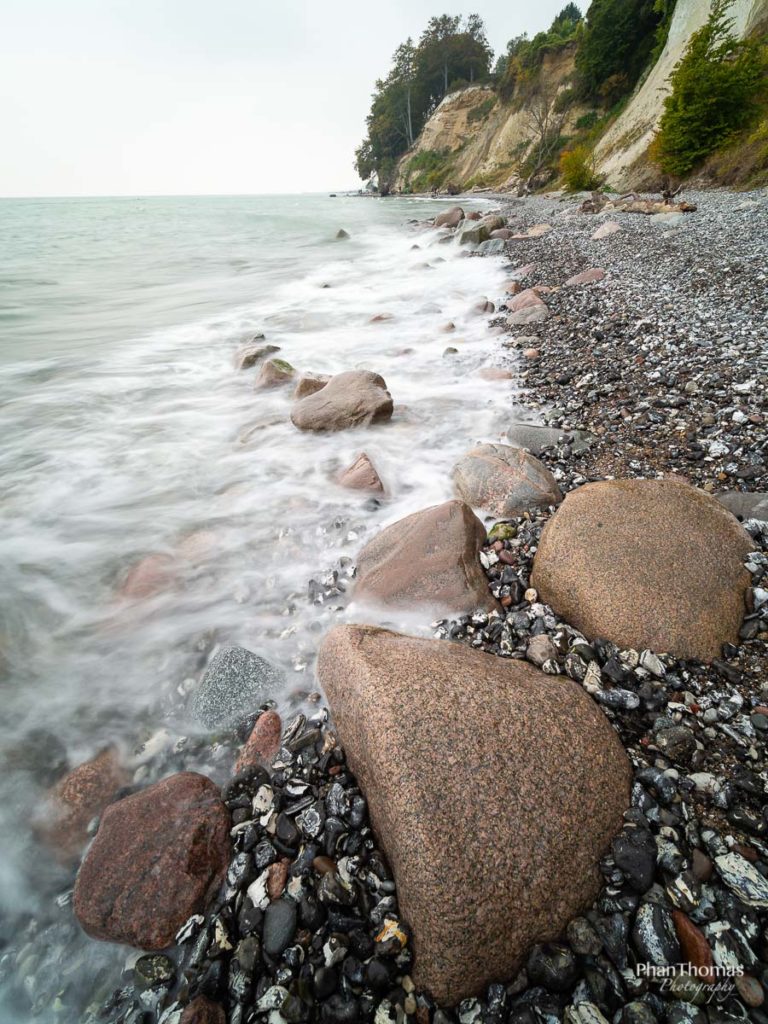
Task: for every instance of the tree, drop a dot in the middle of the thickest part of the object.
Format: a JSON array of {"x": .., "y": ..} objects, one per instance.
[
  {"x": 618, "y": 39},
  {"x": 716, "y": 89},
  {"x": 544, "y": 120},
  {"x": 449, "y": 51}
]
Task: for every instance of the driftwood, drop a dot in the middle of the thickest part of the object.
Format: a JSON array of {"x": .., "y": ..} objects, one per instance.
[{"x": 598, "y": 202}]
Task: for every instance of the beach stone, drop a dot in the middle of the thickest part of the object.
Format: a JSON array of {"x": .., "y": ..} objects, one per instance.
[
  {"x": 494, "y": 373},
  {"x": 650, "y": 564},
  {"x": 159, "y": 856},
  {"x": 341, "y": 233},
  {"x": 309, "y": 383},
  {"x": 428, "y": 560},
  {"x": 361, "y": 475},
  {"x": 274, "y": 373},
  {"x": 605, "y": 230},
  {"x": 203, "y": 1011},
  {"x": 587, "y": 277},
  {"x": 526, "y": 776},
  {"x": 279, "y": 926},
  {"x": 263, "y": 742},
  {"x": 532, "y": 314},
  {"x": 693, "y": 943},
  {"x": 252, "y": 354},
  {"x": 536, "y": 438},
  {"x": 503, "y": 233},
  {"x": 524, "y": 299},
  {"x": 357, "y": 398},
  {"x": 77, "y": 799},
  {"x": 151, "y": 575},
  {"x": 449, "y": 218},
  {"x": 474, "y": 234},
  {"x": 235, "y": 684},
  {"x": 745, "y": 504},
  {"x": 505, "y": 481}
]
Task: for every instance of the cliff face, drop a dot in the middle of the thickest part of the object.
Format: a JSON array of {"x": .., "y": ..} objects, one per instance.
[{"x": 480, "y": 140}]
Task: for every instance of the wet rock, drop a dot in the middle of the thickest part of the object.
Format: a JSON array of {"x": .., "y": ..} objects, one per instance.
[
  {"x": 654, "y": 935},
  {"x": 157, "y": 859},
  {"x": 744, "y": 880},
  {"x": 150, "y": 576},
  {"x": 428, "y": 560},
  {"x": 203, "y": 1011},
  {"x": 694, "y": 946},
  {"x": 152, "y": 970},
  {"x": 235, "y": 683},
  {"x": 274, "y": 373},
  {"x": 279, "y": 926},
  {"x": 253, "y": 353},
  {"x": 474, "y": 234},
  {"x": 407, "y": 720},
  {"x": 678, "y": 743},
  {"x": 634, "y": 851},
  {"x": 553, "y": 966},
  {"x": 505, "y": 481},
  {"x": 494, "y": 373},
  {"x": 361, "y": 476},
  {"x": 352, "y": 399},
  {"x": 78, "y": 798},
  {"x": 341, "y": 234},
  {"x": 533, "y": 314},
  {"x": 647, "y": 564},
  {"x": 449, "y": 218},
  {"x": 263, "y": 742},
  {"x": 309, "y": 384}
]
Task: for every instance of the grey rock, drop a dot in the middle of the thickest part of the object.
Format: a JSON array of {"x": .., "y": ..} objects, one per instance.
[
  {"x": 745, "y": 504},
  {"x": 743, "y": 879},
  {"x": 279, "y": 926},
  {"x": 235, "y": 684}
]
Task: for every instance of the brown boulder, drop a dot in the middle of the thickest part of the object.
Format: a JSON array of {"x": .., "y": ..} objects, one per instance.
[
  {"x": 493, "y": 791},
  {"x": 263, "y": 742},
  {"x": 203, "y": 1011},
  {"x": 449, "y": 218},
  {"x": 504, "y": 233},
  {"x": 427, "y": 560},
  {"x": 158, "y": 857},
  {"x": 77, "y": 799},
  {"x": 274, "y": 374},
  {"x": 309, "y": 383},
  {"x": 361, "y": 475},
  {"x": 356, "y": 398},
  {"x": 505, "y": 481},
  {"x": 647, "y": 564}
]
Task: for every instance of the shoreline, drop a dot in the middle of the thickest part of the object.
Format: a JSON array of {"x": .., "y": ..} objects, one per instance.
[{"x": 618, "y": 449}]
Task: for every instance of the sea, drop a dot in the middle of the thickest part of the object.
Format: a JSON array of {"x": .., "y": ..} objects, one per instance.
[{"x": 127, "y": 432}]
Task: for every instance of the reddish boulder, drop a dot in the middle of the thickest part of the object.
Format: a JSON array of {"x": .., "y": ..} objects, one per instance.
[
  {"x": 429, "y": 560},
  {"x": 263, "y": 743},
  {"x": 505, "y": 481},
  {"x": 449, "y": 218},
  {"x": 647, "y": 564},
  {"x": 77, "y": 799},
  {"x": 587, "y": 277},
  {"x": 203, "y": 1011},
  {"x": 361, "y": 476},
  {"x": 158, "y": 857},
  {"x": 527, "y": 777},
  {"x": 357, "y": 398},
  {"x": 525, "y": 299}
]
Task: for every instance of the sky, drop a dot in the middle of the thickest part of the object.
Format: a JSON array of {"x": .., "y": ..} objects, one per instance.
[{"x": 190, "y": 97}]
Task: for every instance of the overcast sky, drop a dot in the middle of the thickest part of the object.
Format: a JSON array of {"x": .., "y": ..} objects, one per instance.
[{"x": 158, "y": 97}]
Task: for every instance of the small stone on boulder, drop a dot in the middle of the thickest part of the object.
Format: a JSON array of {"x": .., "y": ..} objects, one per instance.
[
  {"x": 647, "y": 564},
  {"x": 263, "y": 743},
  {"x": 235, "y": 683},
  {"x": 159, "y": 856},
  {"x": 427, "y": 560},
  {"x": 357, "y": 398},
  {"x": 526, "y": 776},
  {"x": 504, "y": 481}
]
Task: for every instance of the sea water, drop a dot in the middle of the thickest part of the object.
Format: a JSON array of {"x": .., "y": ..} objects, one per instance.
[{"x": 126, "y": 431}]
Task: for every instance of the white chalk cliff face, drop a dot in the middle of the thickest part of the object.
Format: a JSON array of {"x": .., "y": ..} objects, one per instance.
[
  {"x": 490, "y": 148},
  {"x": 620, "y": 151}
]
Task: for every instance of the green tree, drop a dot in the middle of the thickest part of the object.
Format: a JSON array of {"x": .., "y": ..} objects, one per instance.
[
  {"x": 716, "y": 90},
  {"x": 618, "y": 40}
]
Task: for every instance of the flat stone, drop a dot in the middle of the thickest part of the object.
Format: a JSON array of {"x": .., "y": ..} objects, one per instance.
[
  {"x": 361, "y": 476},
  {"x": 525, "y": 776},
  {"x": 536, "y": 438},
  {"x": 586, "y": 277},
  {"x": 650, "y": 564},
  {"x": 357, "y": 398},
  {"x": 605, "y": 230},
  {"x": 158, "y": 858},
  {"x": 429, "y": 560},
  {"x": 309, "y": 383},
  {"x": 745, "y": 504},
  {"x": 505, "y": 481},
  {"x": 474, "y": 234},
  {"x": 534, "y": 314},
  {"x": 235, "y": 684},
  {"x": 524, "y": 299}
]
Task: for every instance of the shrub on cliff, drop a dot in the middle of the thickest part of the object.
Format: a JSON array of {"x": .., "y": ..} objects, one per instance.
[
  {"x": 716, "y": 89},
  {"x": 578, "y": 170}
]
